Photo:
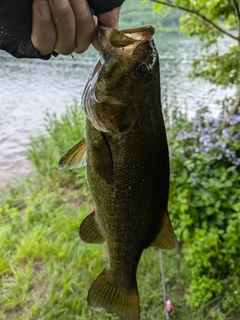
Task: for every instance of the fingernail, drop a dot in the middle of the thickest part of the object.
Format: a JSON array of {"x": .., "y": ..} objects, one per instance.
[
  {"x": 60, "y": 4},
  {"x": 45, "y": 11}
]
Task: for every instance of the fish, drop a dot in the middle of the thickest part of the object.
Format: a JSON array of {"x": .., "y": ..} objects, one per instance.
[{"x": 125, "y": 152}]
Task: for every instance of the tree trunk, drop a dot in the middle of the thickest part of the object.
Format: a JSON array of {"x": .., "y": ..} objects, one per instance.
[{"x": 236, "y": 104}]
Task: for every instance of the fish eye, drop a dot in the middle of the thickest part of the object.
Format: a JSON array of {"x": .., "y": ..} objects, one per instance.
[{"x": 140, "y": 70}]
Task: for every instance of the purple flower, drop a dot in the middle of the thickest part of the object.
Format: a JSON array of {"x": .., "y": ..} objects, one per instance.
[
  {"x": 225, "y": 132},
  {"x": 236, "y": 136},
  {"x": 220, "y": 145},
  {"x": 215, "y": 136},
  {"x": 221, "y": 116},
  {"x": 205, "y": 139},
  {"x": 193, "y": 134},
  {"x": 237, "y": 162},
  {"x": 182, "y": 135},
  {"x": 235, "y": 118},
  {"x": 229, "y": 154}
]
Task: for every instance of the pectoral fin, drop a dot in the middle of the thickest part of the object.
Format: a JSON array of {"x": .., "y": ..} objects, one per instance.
[
  {"x": 166, "y": 238},
  {"x": 75, "y": 157},
  {"x": 89, "y": 230}
]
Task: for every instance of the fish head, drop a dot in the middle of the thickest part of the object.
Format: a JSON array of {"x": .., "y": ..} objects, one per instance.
[{"x": 123, "y": 79}]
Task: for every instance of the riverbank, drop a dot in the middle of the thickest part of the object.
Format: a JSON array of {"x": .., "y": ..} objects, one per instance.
[
  {"x": 28, "y": 88},
  {"x": 46, "y": 269}
]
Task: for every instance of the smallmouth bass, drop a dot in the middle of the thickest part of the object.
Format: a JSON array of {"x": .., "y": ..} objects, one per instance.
[{"x": 127, "y": 164}]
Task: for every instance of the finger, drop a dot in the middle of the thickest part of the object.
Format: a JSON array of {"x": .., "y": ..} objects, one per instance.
[
  {"x": 85, "y": 25},
  {"x": 65, "y": 26},
  {"x": 43, "y": 29},
  {"x": 109, "y": 19}
]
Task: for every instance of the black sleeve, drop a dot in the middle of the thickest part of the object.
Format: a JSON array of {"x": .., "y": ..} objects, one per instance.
[
  {"x": 16, "y": 25},
  {"x": 99, "y": 6},
  {"x": 16, "y": 29}
]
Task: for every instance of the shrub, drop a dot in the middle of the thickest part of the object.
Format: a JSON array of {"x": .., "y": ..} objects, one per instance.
[
  {"x": 204, "y": 203},
  {"x": 46, "y": 149}
]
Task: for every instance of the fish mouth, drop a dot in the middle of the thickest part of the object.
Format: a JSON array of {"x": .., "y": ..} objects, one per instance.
[
  {"x": 122, "y": 42},
  {"x": 116, "y": 43}
]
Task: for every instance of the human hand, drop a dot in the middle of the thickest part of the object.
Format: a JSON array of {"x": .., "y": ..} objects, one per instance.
[
  {"x": 67, "y": 25},
  {"x": 110, "y": 20}
]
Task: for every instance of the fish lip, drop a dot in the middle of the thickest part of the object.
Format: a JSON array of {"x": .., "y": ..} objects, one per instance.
[
  {"x": 122, "y": 42},
  {"x": 116, "y": 37}
]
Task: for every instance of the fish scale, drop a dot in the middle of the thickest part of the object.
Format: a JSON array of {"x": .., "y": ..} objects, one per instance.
[{"x": 127, "y": 165}]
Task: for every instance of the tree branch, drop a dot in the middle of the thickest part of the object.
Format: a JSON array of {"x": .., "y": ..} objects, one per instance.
[
  {"x": 236, "y": 104},
  {"x": 192, "y": 11},
  {"x": 237, "y": 8}
]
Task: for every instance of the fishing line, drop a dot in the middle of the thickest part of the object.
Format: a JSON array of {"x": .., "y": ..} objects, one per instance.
[{"x": 163, "y": 282}]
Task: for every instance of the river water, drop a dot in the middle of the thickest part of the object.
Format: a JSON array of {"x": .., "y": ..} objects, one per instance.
[{"x": 28, "y": 88}]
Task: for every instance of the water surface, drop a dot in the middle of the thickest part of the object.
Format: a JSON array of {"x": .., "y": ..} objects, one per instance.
[{"x": 28, "y": 88}]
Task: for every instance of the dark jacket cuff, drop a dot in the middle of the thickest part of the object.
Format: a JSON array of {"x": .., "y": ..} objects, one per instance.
[
  {"x": 103, "y": 6},
  {"x": 16, "y": 26},
  {"x": 26, "y": 50}
]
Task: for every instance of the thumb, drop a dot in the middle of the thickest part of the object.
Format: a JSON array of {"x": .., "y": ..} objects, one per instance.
[{"x": 109, "y": 19}]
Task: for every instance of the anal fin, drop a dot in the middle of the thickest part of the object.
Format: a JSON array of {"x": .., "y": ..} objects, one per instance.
[
  {"x": 89, "y": 230},
  {"x": 166, "y": 238}
]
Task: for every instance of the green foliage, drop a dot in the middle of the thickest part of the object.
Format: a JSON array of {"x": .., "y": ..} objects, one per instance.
[
  {"x": 205, "y": 204},
  {"x": 46, "y": 149},
  {"x": 46, "y": 270},
  {"x": 211, "y": 20},
  {"x": 221, "y": 69}
]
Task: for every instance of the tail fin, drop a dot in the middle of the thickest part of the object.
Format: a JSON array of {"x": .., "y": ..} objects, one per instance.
[{"x": 104, "y": 294}]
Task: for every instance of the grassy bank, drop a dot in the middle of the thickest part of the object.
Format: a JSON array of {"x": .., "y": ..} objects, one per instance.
[{"x": 46, "y": 270}]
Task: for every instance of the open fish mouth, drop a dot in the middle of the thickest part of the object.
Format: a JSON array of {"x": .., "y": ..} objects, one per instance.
[
  {"x": 122, "y": 42},
  {"x": 115, "y": 46}
]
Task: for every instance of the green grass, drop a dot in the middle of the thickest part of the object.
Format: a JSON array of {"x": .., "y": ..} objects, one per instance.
[{"x": 45, "y": 269}]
